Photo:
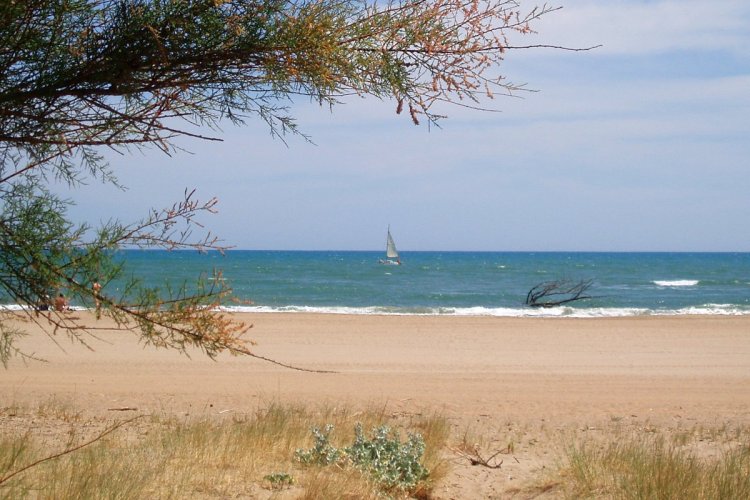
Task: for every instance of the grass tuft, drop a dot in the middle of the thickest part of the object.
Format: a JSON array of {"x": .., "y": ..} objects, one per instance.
[
  {"x": 652, "y": 468},
  {"x": 249, "y": 456}
]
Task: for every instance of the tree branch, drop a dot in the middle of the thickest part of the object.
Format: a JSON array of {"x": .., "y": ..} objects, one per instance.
[{"x": 68, "y": 451}]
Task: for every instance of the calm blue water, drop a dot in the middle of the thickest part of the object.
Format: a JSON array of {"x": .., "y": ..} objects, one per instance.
[{"x": 464, "y": 283}]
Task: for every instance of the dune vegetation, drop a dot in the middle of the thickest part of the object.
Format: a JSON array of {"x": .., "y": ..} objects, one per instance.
[{"x": 286, "y": 451}]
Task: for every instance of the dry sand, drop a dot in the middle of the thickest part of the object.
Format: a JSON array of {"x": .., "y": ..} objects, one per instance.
[{"x": 516, "y": 379}]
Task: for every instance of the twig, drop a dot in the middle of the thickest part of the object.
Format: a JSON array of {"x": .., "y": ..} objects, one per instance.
[
  {"x": 273, "y": 361},
  {"x": 477, "y": 459},
  {"x": 69, "y": 450}
]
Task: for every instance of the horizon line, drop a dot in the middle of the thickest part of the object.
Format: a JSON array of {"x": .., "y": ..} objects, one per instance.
[{"x": 235, "y": 249}]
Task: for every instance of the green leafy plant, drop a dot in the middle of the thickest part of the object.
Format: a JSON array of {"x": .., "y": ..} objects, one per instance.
[
  {"x": 383, "y": 456},
  {"x": 279, "y": 480},
  {"x": 387, "y": 459},
  {"x": 322, "y": 452}
]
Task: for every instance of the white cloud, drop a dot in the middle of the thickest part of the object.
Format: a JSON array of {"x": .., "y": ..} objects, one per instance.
[
  {"x": 649, "y": 27},
  {"x": 612, "y": 159}
]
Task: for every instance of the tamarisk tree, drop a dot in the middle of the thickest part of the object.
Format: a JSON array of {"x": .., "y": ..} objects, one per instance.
[{"x": 80, "y": 77}]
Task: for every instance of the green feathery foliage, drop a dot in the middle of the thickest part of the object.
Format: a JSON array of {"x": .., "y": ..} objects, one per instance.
[{"x": 77, "y": 76}]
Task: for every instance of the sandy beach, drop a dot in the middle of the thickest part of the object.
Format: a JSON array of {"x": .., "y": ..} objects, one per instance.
[
  {"x": 488, "y": 372},
  {"x": 523, "y": 368}
]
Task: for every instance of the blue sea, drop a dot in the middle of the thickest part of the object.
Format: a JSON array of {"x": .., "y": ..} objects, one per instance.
[{"x": 462, "y": 283}]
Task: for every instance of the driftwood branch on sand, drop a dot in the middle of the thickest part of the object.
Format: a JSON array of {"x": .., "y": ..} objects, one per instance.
[{"x": 558, "y": 292}]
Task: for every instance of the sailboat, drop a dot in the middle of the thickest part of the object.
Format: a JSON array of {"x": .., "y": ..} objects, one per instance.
[{"x": 391, "y": 254}]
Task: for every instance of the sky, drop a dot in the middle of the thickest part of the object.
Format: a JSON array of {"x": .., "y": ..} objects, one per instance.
[{"x": 642, "y": 144}]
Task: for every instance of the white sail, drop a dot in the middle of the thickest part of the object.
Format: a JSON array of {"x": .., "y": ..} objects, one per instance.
[
  {"x": 390, "y": 247},
  {"x": 391, "y": 254}
]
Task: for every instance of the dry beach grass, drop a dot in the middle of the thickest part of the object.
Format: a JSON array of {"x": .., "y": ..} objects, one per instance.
[{"x": 552, "y": 397}]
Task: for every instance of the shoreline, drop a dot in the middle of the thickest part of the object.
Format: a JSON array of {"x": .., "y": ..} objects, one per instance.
[
  {"x": 501, "y": 312},
  {"x": 470, "y": 312}
]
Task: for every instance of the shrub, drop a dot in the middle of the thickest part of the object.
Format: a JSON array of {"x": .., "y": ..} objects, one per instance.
[
  {"x": 389, "y": 461},
  {"x": 322, "y": 452},
  {"x": 383, "y": 456}
]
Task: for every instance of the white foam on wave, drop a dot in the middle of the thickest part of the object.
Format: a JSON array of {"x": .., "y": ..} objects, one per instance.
[
  {"x": 507, "y": 312},
  {"x": 13, "y": 307},
  {"x": 675, "y": 283},
  {"x": 316, "y": 309},
  {"x": 716, "y": 309},
  {"x": 18, "y": 307}
]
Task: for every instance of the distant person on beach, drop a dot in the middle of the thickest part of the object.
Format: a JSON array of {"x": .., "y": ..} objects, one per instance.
[
  {"x": 97, "y": 287},
  {"x": 43, "y": 304},
  {"x": 61, "y": 303}
]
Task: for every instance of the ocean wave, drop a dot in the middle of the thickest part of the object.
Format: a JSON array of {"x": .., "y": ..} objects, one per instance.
[
  {"x": 506, "y": 312},
  {"x": 18, "y": 307},
  {"x": 675, "y": 283},
  {"x": 552, "y": 312}
]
